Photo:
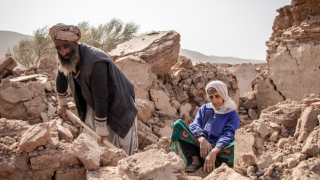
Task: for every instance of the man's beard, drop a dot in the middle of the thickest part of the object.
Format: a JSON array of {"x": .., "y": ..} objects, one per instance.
[{"x": 69, "y": 65}]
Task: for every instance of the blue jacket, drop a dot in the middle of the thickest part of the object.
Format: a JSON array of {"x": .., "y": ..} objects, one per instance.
[{"x": 218, "y": 129}]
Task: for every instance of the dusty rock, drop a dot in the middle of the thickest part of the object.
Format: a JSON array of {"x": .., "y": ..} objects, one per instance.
[
  {"x": 159, "y": 49},
  {"x": 292, "y": 162},
  {"x": 67, "y": 174},
  {"x": 263, "y": 130},
  {"x": 64, "y": 133},
  {"x": 253, "y": 115},
  {"x": 145, "y": 109},
  {"x": 35, "y": 136},
  {"x": 225, "y": 173},
  {"x": 47, "y": 65},
  {"x": 145, "y": 135},
  {"x": 12, "y": 127},
  {"x": 285, "y": 113},
  {"x": 306, "y": 123},
  {"x": 136, "y": 70},
  {"x": 166, "y": 131},
  {"x": 88, "y": 151},
  {"x": 251, "y": 101},
  {"x": 312, "y": 144},
  {"x": 161, "y": 101},
  {"x": 244, "y": 144},
  {"x": 162, "y": 166},
  {"x": 265, "y": 161},
  {"x": 246, "y": 73},
  {"x": 7, "y": 64},
  {"x": 185, "y": 109},
  {"x": 308, "y": 169},
  {"x": 105, "y": 173},
  {"x": 111, "y": 157}
]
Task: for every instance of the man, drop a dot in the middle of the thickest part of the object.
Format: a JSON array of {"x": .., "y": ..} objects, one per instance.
[{"x": 104, "y": 97}]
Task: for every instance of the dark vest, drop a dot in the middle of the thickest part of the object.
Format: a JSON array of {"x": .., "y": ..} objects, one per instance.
[{"x": 121, "y": 108}]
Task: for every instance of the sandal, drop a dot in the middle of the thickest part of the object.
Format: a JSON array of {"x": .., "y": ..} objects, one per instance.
[{"x": 192, "y": 168}]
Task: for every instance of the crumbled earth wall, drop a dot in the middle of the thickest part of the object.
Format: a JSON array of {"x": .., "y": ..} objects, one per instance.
[{"x": 292, "y": 55}]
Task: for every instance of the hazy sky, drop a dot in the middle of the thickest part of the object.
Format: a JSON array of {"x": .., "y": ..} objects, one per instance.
[{"x": 237, "y": 28}]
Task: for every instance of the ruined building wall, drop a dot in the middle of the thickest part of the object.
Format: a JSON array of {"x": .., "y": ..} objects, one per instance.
[{"x": 293, "y": 54}]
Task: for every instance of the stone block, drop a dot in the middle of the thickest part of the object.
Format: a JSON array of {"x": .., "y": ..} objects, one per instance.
[
  {"x": 88, "y": 151},
  {"x": 152, "y": 164},
  {"x": 35, "y": 136}
]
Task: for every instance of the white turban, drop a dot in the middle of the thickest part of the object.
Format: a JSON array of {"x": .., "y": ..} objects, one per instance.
[{"x": 228, "y": 104}]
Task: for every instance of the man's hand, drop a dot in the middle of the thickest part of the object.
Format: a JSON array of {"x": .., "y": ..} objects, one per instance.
[
  {"x": 205, "y": 147},
  {"x": 63, "y": 109},
  {"x": 102, "y": 138},
  {"x": 209, "y": 164}
]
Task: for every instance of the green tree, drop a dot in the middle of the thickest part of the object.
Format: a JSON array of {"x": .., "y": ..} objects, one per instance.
[
  {"x": 107, "y": 36},
  {"x": 28, "y": 52}
]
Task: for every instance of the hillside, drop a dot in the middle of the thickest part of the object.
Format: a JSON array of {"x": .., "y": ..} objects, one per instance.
[
  {"x": 8, "y": 39},
  {"x": 198, "y": 57}
]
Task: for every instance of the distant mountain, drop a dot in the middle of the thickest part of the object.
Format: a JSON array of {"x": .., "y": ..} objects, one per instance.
[
  {"x": 8, "y": 39},
  {"x": 198, "y": 57}
]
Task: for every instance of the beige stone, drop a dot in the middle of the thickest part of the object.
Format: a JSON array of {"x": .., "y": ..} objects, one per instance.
[
  {"x": 145, "y": 109},
  {"x": 111, "y": 157},
  {"x": 71, "y": 174},
  {"x": 306, "y": 123},
  {"x": 105, "y": 173},
  {"x": 159, "y": 49},
  {"x": 185, "y": 109},
  {"x": 225, "y": 173},
  {"x": 166, "y": 131},
  {"x": 35, "y": 136},
  {"x": 162, "y": 102},
  {"x": 244, "y": 144},
  {"x": 137, "y": 70},
  {"x": 246, "y": 73},
  {"x": 162, "y": 165},
  {"x": 88, "y": 151}
]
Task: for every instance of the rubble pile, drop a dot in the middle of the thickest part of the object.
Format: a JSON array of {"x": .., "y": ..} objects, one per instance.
[
  {"x": 168, "y": 89},
  {"x": 279, "y": 134},
  {"x": 277, "y": 144}
]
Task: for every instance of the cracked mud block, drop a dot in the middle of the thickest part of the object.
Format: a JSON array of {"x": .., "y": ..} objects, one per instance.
[{"x": 152, "y": 164}]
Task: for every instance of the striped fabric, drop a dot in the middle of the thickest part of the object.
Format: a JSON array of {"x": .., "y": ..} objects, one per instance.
[{"x": 65, "y": 32}]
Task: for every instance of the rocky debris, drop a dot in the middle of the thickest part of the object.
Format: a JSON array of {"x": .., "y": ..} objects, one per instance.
[
  {"x": 88, "y": 151},
  {"x": 225, "y": 173},
  {"x": 159, "y": 49},
  {"x": 139, "y": 73},
  {"x": 111, "y": 157},
  {"x": 7, "y": 64},
  {"x": 66, "y": 174},
  {"x": 47, "y": 66},
  {"x": 145, "y": 109},
  {"x": 145, "y": 135},
  {"x": 163, "y": 143},
  {"x": 308, "y": 169},
  {"x": 35, "y": 136},
  {"x": 162, "y": 166},
  {"x": 306, "y": 123},
  {"x": 245, "y": 74},
  {"x": 282, "y": 138},
  {"x": 106, "y": 173}
]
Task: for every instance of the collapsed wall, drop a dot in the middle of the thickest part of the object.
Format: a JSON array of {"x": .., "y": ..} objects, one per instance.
[
  {"x": 292, "y": 55},
  {"x": 38, "y": 143},
  {"x": 170, "y": 88}
]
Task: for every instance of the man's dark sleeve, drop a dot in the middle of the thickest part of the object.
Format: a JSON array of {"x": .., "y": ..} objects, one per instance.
[
  {"x": 99, "y": 88},
  {"x": 61, "y": 87}
]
